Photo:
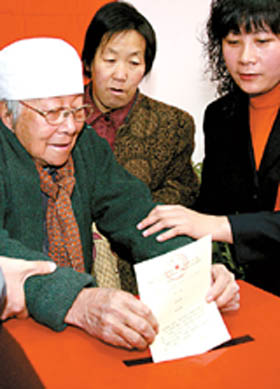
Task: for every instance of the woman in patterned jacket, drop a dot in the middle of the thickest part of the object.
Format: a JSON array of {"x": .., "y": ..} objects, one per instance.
[{"x": 152, "y": 140}]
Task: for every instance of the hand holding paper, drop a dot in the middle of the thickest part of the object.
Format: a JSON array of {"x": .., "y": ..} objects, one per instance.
[{"x": 174, "y": 286}]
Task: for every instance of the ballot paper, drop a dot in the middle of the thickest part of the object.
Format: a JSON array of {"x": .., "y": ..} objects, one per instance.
[{"x": 174, "y": 286}]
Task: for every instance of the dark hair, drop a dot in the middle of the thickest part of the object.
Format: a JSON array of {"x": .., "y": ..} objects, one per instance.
[
  {"x": 231, "y": 15},
  {"x": 113, "y": 18}
]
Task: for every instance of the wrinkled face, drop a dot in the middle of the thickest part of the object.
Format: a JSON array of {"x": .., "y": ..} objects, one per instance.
[
  {"x": 253, "y": 60},
  {"x": 117, "y": 69},
  {"x": 48, "y": 144}
]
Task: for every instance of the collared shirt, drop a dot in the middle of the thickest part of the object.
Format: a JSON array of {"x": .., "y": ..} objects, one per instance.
[{"x": 106, "y": 124}]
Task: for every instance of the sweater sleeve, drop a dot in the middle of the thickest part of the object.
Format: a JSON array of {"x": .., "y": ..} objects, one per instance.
[{"x": 48, "y": 297}]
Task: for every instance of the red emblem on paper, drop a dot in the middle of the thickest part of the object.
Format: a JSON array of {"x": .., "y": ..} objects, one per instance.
[{"x": 178, "y": 266}]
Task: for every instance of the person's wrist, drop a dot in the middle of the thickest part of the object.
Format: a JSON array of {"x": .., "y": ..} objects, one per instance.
[
  {"x": 76, "y": 312},
  {"x": 223, "y": 231}
]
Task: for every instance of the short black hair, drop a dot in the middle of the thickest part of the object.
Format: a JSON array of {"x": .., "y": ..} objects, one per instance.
[
  {"x": 113, "y": 18},
  {"x": 229, "y": 16}
]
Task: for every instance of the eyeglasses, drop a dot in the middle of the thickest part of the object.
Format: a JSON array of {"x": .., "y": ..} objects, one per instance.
[{"x": 57, "y": 116}]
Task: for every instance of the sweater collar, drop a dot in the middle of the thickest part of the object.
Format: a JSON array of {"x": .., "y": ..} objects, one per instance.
[{"x": 268, "y": 100}]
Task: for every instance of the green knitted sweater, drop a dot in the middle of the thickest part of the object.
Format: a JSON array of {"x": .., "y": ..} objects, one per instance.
[{"x": 104, "y": 192}]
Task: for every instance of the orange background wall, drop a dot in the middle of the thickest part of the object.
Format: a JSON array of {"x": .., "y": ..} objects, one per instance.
[{"x": 66, "y": 19}]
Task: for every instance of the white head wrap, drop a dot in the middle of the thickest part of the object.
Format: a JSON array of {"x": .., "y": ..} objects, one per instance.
[{"x": 39, "y": 68}]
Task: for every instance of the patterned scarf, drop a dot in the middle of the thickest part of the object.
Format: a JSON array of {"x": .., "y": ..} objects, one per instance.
[{"x": 63, "y": 232}]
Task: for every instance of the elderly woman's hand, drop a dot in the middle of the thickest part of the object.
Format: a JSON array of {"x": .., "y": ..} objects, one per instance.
[
  {"x": 16, "y": 272},
  {"x": 114, "y": 316},
  {"x": 224, "y": 289}
]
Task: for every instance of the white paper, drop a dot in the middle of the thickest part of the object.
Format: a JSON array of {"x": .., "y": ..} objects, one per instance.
[{"x": 174, "y": 286}]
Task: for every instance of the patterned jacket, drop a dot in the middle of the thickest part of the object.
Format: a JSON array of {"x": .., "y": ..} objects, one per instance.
[{"x": 155, "y": 143}]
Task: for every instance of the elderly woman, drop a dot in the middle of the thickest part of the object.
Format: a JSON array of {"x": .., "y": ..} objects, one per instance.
[
  {"x": 152, "y": 140},
  {"x": 241, "y": 169},
  {"x": 57, "y": 178}
]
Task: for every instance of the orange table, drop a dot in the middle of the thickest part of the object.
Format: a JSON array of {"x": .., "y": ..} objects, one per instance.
[{"x": 72, "y": 359}]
